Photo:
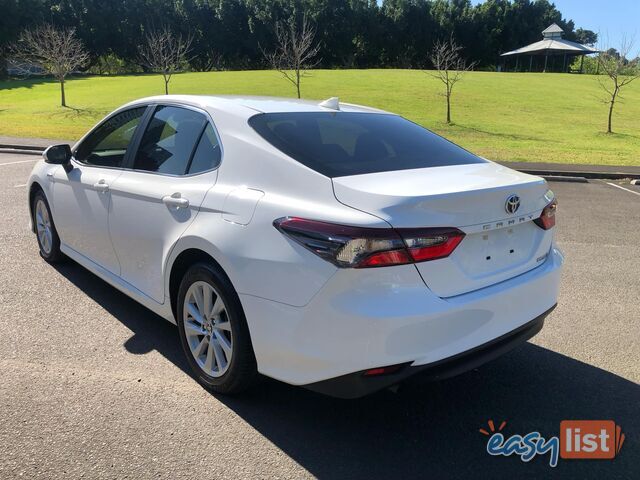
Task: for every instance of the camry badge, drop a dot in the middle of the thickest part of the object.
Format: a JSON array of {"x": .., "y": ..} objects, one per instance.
[{"x": 512, "y": 204}]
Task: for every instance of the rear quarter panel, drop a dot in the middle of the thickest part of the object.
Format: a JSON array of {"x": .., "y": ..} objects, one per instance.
[{"x": 239, "y": 233}]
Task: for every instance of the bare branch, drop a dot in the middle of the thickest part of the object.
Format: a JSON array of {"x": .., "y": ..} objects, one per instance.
[
  {"x": 296, "y": 51},
  {"x": 47, "y": 50},
  {"x": 164, "y": 52},
  {"x": 449, "y": 66},
  {"x": 619, "y": 70}
]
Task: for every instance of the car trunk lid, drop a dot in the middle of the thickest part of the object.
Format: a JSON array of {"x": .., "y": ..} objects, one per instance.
[{"x": 498, "y": 245}]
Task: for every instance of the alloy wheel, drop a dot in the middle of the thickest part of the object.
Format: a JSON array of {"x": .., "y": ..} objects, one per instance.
[
  {"x": 207, "y": 328},
  {"x": 43, "y": 227}
]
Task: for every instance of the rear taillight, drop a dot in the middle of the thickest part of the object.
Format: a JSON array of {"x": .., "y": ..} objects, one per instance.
[
  {"x": 547, "y": 218},
  {"x": 431, "y": 243},
  {"x": 361, "y": 247}
]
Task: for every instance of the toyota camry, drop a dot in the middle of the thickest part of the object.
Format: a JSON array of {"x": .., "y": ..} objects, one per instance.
[{"x": 324, "y": 244}]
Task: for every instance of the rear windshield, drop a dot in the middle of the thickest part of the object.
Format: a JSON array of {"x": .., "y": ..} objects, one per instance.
[{"x": 338, "y": 144}]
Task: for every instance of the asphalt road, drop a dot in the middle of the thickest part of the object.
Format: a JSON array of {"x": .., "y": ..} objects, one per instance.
[{"x": 95, "y": 386}]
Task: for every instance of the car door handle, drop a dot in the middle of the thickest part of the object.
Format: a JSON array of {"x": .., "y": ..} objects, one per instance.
[
  {"x": 175, "y": 200},
  {"x": 101, "y": 186}
]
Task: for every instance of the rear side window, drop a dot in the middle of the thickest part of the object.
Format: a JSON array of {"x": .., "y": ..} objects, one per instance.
[
  {"x": 169, "y": 140},
  {"x": 207, "y": 155},
  {"x": 343, "y": 143}
]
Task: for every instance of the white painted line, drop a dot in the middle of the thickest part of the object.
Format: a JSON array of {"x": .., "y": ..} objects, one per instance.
[
  {"x": 622, "y": 188},
  {"x": 18, "y": 186},
  {"x": 20, "y": 161}
]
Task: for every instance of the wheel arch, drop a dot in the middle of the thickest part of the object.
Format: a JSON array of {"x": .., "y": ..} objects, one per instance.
[
  {"x": 179, "y": 266},
  {"x": 33, "y": 190}
]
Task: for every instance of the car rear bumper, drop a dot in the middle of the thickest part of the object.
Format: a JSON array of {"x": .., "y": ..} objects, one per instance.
[
  {"x": 358, "y": 384},
  {"x": 370, "y": 318}
]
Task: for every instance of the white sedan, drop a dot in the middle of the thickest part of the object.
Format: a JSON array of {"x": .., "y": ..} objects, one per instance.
[{"x": 328, "y": 245}]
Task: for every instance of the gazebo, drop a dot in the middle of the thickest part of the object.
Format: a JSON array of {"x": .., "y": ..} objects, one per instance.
[{"x": 551, "y": 47}]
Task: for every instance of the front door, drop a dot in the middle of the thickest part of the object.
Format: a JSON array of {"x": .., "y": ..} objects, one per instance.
[
  {"x": 82, "y": 197},
  {"x": 155, "y": 200}
]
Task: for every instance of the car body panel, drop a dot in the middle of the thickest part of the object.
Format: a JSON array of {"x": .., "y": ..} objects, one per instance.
[
  {"x": 386, "y": 317},
  {"x": 497, "y": 245},
  {"x": 143, "y": 229},
  {"x": 448, "y": 196},
  {"x": 259, "y": 260},
  {"x": 82, "y": 212}
]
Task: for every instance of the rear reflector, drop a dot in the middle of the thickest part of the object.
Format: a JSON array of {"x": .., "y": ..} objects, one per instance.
[
  {"x": 547, "y": 218},
  {"x": 374, "y": 372},
  {"x": 362, "y": 247}
]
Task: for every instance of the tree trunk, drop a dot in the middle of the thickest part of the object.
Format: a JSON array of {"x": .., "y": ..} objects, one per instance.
[
  {"x": 166, "y": 85},
  {"x": 3, "y": 67},
  {"x": 613, "y": 100},
  {"x": 449, "y": 107},
  {"x": 298, "y": 82},
  {"x": 63, "y": 100}
]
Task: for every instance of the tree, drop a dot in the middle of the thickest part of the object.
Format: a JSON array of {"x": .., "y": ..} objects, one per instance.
[
  {"x": 15, "y": 17},
  {"x": 449, "y": 67},
  {"x": 586, "y": 37},
  {"x": 620, "y": 72},
  {"x": 295, "y": 52},
  {"x": 233, "y": 34},
  {"x": 164, "y": 52},
  {"x": 47, "y": 50}
]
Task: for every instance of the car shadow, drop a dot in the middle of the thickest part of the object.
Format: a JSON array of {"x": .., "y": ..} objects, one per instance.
[{"x": 424, "y": 430}]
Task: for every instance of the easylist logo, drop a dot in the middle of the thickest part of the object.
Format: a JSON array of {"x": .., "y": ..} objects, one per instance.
[{"x": 578, "y": 440}]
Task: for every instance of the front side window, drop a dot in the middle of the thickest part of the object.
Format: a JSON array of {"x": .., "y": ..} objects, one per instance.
[
  {"x": 169, "y": 141},
  {"x": 107, "y": 145},
  {"x": 337, "y": 144}
]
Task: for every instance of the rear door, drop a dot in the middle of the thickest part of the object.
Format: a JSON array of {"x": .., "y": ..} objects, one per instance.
[{"x": 159, "y": 194}]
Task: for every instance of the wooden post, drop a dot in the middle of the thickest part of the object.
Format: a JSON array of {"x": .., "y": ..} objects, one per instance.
[
  {"x": 546, "y": 57},
  {"x": 564, "y": 64},
  {"x": 581, "y": 62},
  {"x": 530, "y": 63},
  {"x": 517, "y": 57}
]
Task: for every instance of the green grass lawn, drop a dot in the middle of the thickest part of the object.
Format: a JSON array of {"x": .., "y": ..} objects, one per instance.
[{"x": 501, "y": 116}]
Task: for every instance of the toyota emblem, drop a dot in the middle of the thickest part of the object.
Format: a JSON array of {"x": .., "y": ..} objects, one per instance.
[{"x": 512, "y": 204}]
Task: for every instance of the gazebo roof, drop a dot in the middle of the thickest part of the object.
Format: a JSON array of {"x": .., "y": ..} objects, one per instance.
[
  {"x": 556, "y": 45},
  {"x": 552, "y": 42},
  {"x": 553, "y": 28}
]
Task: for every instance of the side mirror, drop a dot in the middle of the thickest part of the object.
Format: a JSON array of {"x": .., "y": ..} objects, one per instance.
[{"x": 59, "y": 155}]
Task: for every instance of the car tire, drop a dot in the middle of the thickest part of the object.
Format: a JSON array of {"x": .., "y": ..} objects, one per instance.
[
  {"x": 46, "y": 233},
  {"x": 207, "y": 339}
]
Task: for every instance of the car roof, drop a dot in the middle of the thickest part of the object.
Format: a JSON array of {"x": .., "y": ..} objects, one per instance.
[{"x": 247, "y": 105}]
